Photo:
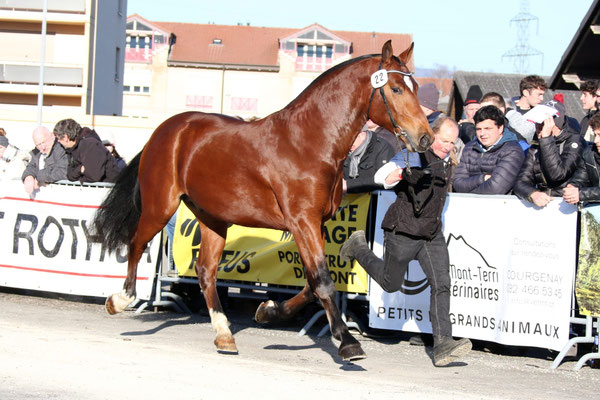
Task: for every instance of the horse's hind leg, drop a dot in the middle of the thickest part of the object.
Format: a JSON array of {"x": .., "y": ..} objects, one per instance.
[
  {"x": 272, "y": 311},
  {"x": 214, "y": 233},
  {"x": 147, "y": 228}
]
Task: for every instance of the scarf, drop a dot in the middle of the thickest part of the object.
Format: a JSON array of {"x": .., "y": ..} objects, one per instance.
[{"x": 357, "y": 154}]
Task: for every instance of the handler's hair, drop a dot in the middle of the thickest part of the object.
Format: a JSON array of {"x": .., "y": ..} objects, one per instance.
[
  {"x": 494, "y": 98},
  {"x": 591, "y": 86},
  {"x": 489, "y": 112},
  {"x": 67, "y": 127},
  {"x": 531, "y": 82},
  {"x": 595, "y": 121}
]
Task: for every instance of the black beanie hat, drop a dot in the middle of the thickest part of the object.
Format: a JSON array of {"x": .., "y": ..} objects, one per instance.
[{"x": 473, "y": 95}]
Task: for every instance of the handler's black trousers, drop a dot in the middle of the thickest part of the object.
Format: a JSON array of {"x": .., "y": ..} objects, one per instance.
[{"x": 390, "y": 272}]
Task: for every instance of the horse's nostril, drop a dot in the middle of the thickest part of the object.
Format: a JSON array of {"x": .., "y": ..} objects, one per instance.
[{"x": 425, "y": 141}]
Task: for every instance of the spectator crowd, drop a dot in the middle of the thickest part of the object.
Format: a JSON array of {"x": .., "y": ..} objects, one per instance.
[{"x": 70, "y": 152}]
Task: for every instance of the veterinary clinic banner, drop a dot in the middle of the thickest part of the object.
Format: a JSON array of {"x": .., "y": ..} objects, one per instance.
[
  {"x": 46, "y": 244},
  {"x": 587, "y": 286},
  {"x": 511, "y": 265},
  {"x": 271, "y": 256}
]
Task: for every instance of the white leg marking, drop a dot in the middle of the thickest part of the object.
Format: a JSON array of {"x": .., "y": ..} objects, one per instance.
[{"x": 219, "y": 322}]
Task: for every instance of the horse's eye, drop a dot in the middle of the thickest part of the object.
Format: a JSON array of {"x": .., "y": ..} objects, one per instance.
[{"x": 397, "y": 90}]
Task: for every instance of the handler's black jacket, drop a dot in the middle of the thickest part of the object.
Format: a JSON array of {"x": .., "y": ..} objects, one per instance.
[
  {"x": 549, "y": 164},
  {"x": 587, "y": 176},
  {"x": 100, "y": 165},
  {"x": 430, "y": 192}
]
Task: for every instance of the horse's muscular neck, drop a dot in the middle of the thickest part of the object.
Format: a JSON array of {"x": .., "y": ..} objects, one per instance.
[{"x": 337, "y": 108}]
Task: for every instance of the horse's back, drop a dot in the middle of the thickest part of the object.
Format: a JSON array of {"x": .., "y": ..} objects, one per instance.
[{"x": 216, "y": 162}]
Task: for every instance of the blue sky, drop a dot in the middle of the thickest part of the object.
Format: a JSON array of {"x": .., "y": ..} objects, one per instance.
[{"x": 469, "y": 35}]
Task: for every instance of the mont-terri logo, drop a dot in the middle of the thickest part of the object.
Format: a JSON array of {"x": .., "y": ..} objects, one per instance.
[{"x": 415, "y": 280}]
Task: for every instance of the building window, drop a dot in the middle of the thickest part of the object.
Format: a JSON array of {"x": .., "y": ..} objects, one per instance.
[
  {"x": 217, "y": 41},
  {"x": 126, "y": 88}
]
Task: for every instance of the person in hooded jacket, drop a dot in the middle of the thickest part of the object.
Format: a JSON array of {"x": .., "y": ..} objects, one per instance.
[
  {"x": 551, "y": 160},
  {"x": 89, "y": 160},
  {"x": 490, "y": 164}
]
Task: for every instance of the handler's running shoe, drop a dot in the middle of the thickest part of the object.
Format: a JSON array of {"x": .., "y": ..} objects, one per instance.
[{"x": 447, "y": 350}]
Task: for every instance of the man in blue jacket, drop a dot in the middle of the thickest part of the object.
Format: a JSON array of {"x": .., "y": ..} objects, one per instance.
[{"x": 490, "y": 164}]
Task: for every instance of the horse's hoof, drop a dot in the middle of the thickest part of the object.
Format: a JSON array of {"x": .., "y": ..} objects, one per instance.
[
  {"x": 226, "y": 344},
  {"x": 352, "y": 352},
  {"x": 117, "y": 302},
  {"x": 267, "y": 311}
]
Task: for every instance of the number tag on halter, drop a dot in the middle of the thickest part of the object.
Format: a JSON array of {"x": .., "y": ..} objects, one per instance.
[{"x": 379, "y": 78}]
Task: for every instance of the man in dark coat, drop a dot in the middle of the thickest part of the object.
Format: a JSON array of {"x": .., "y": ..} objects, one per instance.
[
  {"x": 590, "y": 101},
  {"x": 367, "y": 154},
  {"x": 585, "y": 183},
  {"x": 490, "y": 164},
  {"x": 551, "y": 160},
  {"x": 89, "y": 161},
  {"x": 413, "y": 231}
]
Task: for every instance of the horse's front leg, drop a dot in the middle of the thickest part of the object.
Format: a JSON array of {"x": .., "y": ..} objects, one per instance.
[
  {"x": 213, "y": 243},
  {"x": 311, "y": 246}
]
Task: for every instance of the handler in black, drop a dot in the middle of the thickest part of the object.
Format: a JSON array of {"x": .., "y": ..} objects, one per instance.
[
  {"x": 413, "y": 231},
  {"x": 89, "y": 160}
]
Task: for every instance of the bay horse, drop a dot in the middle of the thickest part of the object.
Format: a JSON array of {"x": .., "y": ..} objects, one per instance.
[{"x": 282, "y": 172}]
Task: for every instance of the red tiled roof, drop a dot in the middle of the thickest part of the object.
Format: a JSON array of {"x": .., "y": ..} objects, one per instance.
[{"x": 252, "y": 45}]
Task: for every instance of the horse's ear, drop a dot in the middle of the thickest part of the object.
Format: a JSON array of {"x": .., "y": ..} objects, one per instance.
[
  {"x": 407, "y": 54},
  {"x": 387, "y": 52}
]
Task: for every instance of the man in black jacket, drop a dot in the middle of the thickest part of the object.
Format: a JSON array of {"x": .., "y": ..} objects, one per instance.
[
  {"x": 89, "y": 160},
  {"x": 551, "y": 160},
  {"x": 367, "y": 154},
  {"x": 585, "y": 183},
  {"x": 413, "y": 231}
]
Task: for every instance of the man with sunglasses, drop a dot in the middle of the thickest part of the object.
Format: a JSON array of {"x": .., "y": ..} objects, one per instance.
[{"x": 48, "y": 162}]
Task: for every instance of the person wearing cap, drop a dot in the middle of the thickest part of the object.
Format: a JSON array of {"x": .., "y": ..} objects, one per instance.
[
  {"x": 48, "y": 162},
  {"x": 590, "y": 101},
  {"x": 585, "y": 183},
  {"x": 490, "y": 164},
  {"x": 429, "y": 97},
  {"x": 367, "y": 154},
  {"x": 472, "y": 104},
  {"x": 90, "y": 161},
  {"x": 12, "y": 160},
  {"x": 413, "y": 231},
  {"x": 551, "y": 160}
]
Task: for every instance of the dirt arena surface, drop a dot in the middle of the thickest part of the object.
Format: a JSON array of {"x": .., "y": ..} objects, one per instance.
[{"x": 52, "y": 348}]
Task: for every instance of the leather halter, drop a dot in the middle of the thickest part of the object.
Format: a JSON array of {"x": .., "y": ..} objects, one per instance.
[{"x": 401, "y": 132}]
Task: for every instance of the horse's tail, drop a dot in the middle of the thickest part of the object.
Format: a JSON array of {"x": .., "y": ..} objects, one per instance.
[{"x": 117, "y": 218}]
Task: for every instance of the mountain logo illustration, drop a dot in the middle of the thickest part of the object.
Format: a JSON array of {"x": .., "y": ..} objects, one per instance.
[{"x": 413, "y": 287}]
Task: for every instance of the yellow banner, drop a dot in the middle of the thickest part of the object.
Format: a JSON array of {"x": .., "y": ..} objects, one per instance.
[{"x": 271, "y": 256}]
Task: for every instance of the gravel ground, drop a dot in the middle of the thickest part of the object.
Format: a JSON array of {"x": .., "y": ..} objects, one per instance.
[{"x": 54, "y": 348}]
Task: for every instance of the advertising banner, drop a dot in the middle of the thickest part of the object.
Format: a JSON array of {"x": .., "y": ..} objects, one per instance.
[
  {"x": 587, "y": 287},
  {"x": 511, "y": 266},
  {"x": 46, "y": 244},
  {"x": 271, "y": 256}
]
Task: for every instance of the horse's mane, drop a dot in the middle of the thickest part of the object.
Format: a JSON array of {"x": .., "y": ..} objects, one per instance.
[{"x": 335, "y": 68}]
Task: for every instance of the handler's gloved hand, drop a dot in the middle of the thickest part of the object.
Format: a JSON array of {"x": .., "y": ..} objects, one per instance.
[{"x": 413, "y": 175}]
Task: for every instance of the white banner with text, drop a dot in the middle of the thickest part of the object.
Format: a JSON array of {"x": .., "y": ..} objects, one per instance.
[
  {"x": 46, "y": 244},
  {"x": 511, "y": 266}
]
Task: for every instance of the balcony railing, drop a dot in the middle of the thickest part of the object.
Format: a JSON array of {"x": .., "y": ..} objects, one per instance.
[{"x": 30, "y": 74}]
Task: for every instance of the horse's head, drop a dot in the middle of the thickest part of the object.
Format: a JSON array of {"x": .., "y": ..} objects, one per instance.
[{"x": 394, "y": 104}]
